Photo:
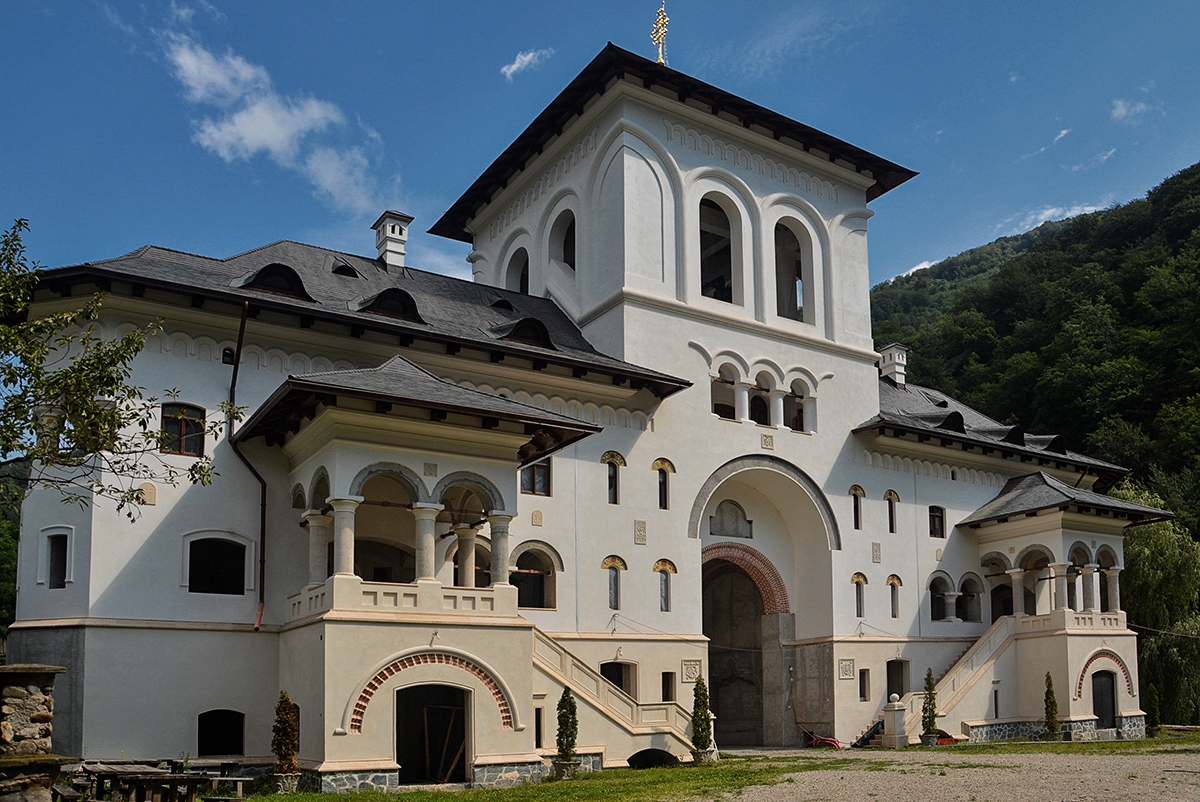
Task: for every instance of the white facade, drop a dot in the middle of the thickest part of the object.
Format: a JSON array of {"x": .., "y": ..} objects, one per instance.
[{"x": 789, "y": 552}]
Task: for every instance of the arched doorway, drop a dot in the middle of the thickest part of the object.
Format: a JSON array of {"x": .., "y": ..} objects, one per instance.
[
  {"x": 733, "y": 610},
  {"x": 897, "y": 677},
  {"x": 1104, "y": 699},
  {"x": 431, "y": 734}
]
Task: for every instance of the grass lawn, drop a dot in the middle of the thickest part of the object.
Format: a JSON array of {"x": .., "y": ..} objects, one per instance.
[{"x": 733, "y": 773}]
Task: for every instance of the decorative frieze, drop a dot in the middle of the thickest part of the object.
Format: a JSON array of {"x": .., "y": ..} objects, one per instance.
[
  {"x": 937, "y": 470},
  {"x": 549, "y": 179}
]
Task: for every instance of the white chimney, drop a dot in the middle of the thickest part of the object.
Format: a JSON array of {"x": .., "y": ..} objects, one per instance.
[
  {"x": 893, "y": 359},
  {"x": 391, "y": 233}
]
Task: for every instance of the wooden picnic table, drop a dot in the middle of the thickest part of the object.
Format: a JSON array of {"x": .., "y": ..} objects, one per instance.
[{"x": 139, "y": 782}]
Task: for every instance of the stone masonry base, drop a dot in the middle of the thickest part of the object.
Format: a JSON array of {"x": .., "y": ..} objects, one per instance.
[{"x": 1128, "y": 728}]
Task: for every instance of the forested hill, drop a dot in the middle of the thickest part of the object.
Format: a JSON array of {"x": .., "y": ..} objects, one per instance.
[
  {"x": 1085, "y": 328},
  {"x": 1089, "y": 329}
]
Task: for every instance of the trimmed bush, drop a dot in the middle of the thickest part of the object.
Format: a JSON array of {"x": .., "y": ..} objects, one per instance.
[
  {"x": 568, "y": 726},
  {"x": 701, "y": 720}
]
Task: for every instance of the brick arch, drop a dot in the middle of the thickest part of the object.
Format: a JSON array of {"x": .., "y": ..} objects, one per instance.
[
  {"x": 429, "y": 658},
  {"x": 757, "y": 567},
  {"x": 1116, "y": 658}
]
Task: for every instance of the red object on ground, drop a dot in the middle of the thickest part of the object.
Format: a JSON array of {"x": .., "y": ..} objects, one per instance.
[{"x": 824, "y": 742}]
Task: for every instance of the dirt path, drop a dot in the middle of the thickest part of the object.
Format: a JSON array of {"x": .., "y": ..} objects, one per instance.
[{"x": 1164, "y": 775}]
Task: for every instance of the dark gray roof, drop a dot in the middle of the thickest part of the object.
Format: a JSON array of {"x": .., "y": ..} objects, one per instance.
[
  {"x": 613, "y": 63},
  {"x": 935, "y": 415},
  {"x": 399, "y": 381},
  {"x": 451, "y": 310},
  {"x": 1037, "y": 491}
]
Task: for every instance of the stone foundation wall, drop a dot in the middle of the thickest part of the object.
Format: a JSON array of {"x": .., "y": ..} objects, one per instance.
[
  {"x": 26, "y": 709},
  {"x": 502, "y": 775},
  {"x": 1128, "y": 728},
  {"x": 337, "y": 782}
]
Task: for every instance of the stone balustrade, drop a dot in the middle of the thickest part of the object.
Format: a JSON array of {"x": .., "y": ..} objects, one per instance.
[{"x": 348, "y": 594}]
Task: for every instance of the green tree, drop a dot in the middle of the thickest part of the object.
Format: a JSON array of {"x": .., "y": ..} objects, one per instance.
[
  {"x": 1152, "y": 718},
  {"x": 701, "y": 719},
  {"x": 568, "y": 726},
  {"x": 929, "y": 705},
  {"x": 1051, "y": 710},
  {"x": 285, "y": 735},
  {"x": 66, "y": 404}
]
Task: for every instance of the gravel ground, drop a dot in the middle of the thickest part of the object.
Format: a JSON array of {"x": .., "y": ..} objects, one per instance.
[{"x": 912, "y": 775}]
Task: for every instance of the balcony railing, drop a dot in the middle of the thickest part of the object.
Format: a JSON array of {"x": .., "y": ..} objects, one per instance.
[{"x": 351, "y": 594}]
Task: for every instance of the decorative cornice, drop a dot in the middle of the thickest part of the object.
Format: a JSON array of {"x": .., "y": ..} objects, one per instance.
[
  {"x": 748, "y": 159},
  {"x": 938, "y": 470}
]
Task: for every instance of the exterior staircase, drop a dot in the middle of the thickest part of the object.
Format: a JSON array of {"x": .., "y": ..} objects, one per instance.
[
  {"x": 963, "y": 677},
  {"x": 627, "y": 725}
]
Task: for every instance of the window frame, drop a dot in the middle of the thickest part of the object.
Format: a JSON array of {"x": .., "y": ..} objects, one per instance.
[
  {"x": 47, "y": 537},
  {"x": 176, "y": 442},
  {"x": 937, "y": 522},
  {"x": 533, "y": 470},
  {"x": 249, "y": 575}
]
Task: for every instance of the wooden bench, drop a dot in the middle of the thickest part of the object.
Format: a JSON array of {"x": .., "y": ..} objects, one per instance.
[{"x": 65, "y": 793}]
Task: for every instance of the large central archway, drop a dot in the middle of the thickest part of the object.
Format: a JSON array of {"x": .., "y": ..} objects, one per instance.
[{"x": 733, "y": 608}]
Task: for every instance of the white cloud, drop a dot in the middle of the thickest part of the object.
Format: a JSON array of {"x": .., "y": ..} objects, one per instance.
[
  {"x": 343, "y": 177},
  {"x": 271, "y": 123},
  {"x": 115, "y": 20},
  {"x": 433, "y": 260},
  {"x": 1127, "y": 111},
  {"x": 1095, "y": 161},
  {"x": 1061, "y": 134},
  {"x": 917, "y": 267},
  {"x": 1032, "y": 218},
  {"x": 526, "y": 60},
  {"x": 792, "y": 34},
  {"x": 1045, "y": 148},
  {"x": 207, "y": 78},
  {"x": 254, "y": 119}
]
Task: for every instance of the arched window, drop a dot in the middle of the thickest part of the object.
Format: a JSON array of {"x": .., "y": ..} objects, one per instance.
[
  {"x": 394, "y": 302},
  {"x": 516, "y": 275},
  {"x": 723, "y": 404},
  {"x": 717, "y": 275},
  {"x": 664, "y": 569},
  {"x": 614, "y": 462},
  {"x": 856, "y": 496},
  {"x": 279, "y": 279},
  {"x": 968, "y": 606},
  {"x": 534, "y": 579},
  {"x": 562, "y": 239},
  {"x": 614, "y": 565},
  {"x": 760, "y": 412},
  {"x": 729, "y": 520},
  {"x": 938, "y": 588},
  {"x": 894, "y": 585},
  {"x": 892, "y": 499},
  {"x": 182, "y": 430},
  {"x": 220, "y": 732},
  {"x": 860, "y": 604},
  {"x": 937, "y": 522},
  {"x": 789, "y": 274},
  {"x": 216, "y": 565},
  {"x": 663, "y": 468}
]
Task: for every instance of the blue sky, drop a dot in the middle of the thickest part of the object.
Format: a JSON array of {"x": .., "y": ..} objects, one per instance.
[{"x": 215, "y": 127}]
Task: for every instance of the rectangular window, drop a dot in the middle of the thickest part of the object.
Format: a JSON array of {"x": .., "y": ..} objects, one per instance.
[
  {"x": 614, "y": 483},
  {"x": 864, "y": 684},
  {"x": 891, "y": 516},
  {"x": 937, "y": 522},
  {"x": 535, "y": 479},
  {"x": 182, "y": 430},
  {"x": 668, "y": 686},
  {"x": 895, "y": 602},
  {"x": 859, "y": 601},
  {"x": 664, "y": 591},
  {"x": 537, "y": 728},
  {"x": 664, "y": 489},
  {"x": 614, "y": 588},
  {"x": 57, "y": 574}
]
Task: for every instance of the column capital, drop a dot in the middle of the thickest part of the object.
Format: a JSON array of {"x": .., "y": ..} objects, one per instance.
[
  {"x": 423, "y": 511},
  {"x": 500, "y": 516},
  {"x": 1014, "y": 571},
  {"x": 1111, "y": 571},
  {"x": 1089, "y": 568},
  {"x": 1059, "y": 569},
  {"x": 318, "y": 517},
  {"x": 345, "y": 503}
]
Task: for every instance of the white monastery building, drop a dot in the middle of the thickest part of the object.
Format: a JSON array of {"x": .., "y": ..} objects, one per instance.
[{"x": 652, "y": 441}]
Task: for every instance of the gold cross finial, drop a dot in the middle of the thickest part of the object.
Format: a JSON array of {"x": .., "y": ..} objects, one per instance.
[{"x": 660, "y": 30}]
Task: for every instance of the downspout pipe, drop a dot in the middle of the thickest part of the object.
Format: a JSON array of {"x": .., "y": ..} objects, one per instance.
[{"x": 262, "y": 483}]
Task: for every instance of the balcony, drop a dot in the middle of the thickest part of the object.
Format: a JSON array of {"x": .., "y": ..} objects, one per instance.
[
  {"x": 350, "y": 597},
  {"x": 1056, "y": 620}
]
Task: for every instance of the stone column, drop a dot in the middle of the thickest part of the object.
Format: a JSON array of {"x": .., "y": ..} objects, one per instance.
[
  {"x": 1017, "y": 576},
  {"x": 426, "y": 521},
  {"x": 1091, "y": 588},
  {"x": 1114, "y": 589},
  {"x": 499, "y": 521},
  {"x": 320, "y": 526},
  {"x": 343, "y": 533},
  {"x": 1059, "y": 572},
  {"x": 894, "y": 736},
  {"x": 950, "y": 600},
  {"x": 741, "y": 401},
  {"x": 466, "y": 555},
  {"x": 776, "y": 401}
]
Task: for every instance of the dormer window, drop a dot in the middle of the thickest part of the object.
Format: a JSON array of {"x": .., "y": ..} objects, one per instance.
[
  {"x": 394, "y": 303},
  {"x": 530, "y": 331},
  {"x": 279, "y": 279},
  {"x": 340, "y": 268}
]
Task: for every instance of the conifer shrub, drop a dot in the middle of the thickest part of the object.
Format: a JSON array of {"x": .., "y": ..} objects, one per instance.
[
  {"x": 1052, "y": 726},
  {"x": 568, "y": 726},
  {"x": 929, "y": 705},
  {"x": 1152, "y": 715},
  {"x": 701, "y": 720},
  {"x": 285, "y": 735}
]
